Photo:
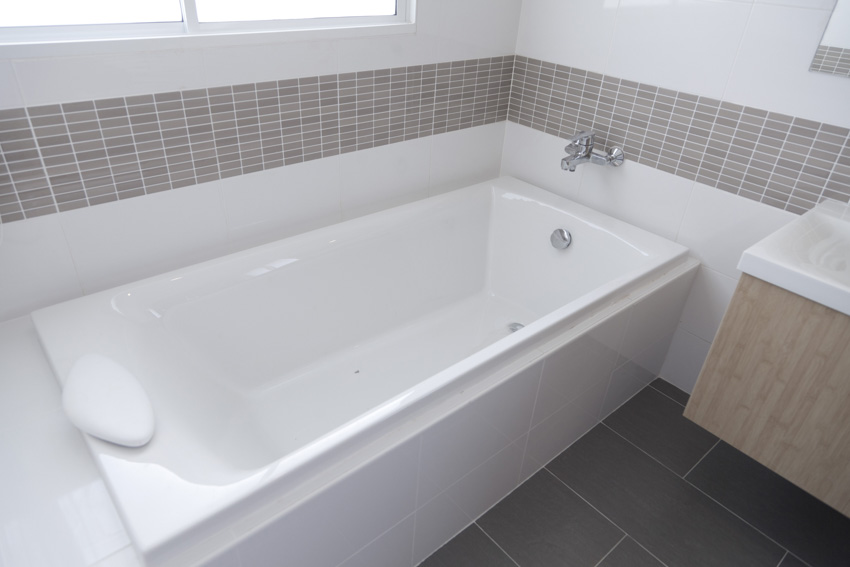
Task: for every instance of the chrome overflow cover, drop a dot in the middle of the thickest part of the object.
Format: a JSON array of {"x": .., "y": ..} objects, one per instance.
[{"x": 561, "y": 238}]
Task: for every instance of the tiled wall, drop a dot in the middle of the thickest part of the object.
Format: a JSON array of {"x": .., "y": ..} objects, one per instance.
[
  {"x": 63, "y": 157},
  {"x": 780, "y": 160},
  {"x": 833, "y": 60}
]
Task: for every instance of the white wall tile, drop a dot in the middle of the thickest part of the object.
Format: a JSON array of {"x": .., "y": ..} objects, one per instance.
[
  {"x": 482, "y": 488},
  {"x": 437, "y": 522},
  {"x": 127, "y": 557},
  {"x": 268, "y": 62},
  {"x": 719, "y": 226},
  {"x": 465, "y": 157},
  {"x": 652, "y": 322},
  {"x": 470, "y": 29},
  {"x": 446, "y": 515},
  {"x": 561, "y": 429},
  {"x": 384, "y": 52},
  {"x": 394, "y": 548},
  {"x": 273, "y": 204},
  {"x": 685, "y": 359},
  {"x": 10, "y": 94},
  {"x": 772, "y": 68},
  {"x": 578, "y": 366},
  {"x": 36, "y": 266},
  {"x": 28, "y": 389},
  {"x": 124, "y": 241},
  {"x": 334, "y": 524},
  {"x": 462, "y": 441},
  {"x": 638, "y": 194},
  {"x": 576, "y": 34},
  {"x": 687, "y": 45},
  {"x": 66, "y": 79},
  {"x": 811, "y": 4},
  {"x": 626, "y": 381},
  {"x": 707, "y": 302},
  {"x": 535, "y": 157},
  {"x": 383, "y": 177}
]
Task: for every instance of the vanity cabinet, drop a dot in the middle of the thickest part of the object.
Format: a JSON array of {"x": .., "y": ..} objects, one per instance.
[{"x": 776, "y": 385}]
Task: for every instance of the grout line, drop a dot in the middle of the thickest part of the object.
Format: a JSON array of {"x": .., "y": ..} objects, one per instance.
[
  {"x": 379, "y": 536},
  {"x": 663, "y": 394},
  {"x": 610, "y": 551},
  {"x": 698, "y": 488},
  {"x": 737, "y": 52},
  {"x": 716, "y": 443},
  {"x": 615, "y": 524},
  {"x": 754, "y": 528},
  {"x": 38, "y": 148},
  {"x": 416, "y": 504},
  {"x": 495, "y": 543},
  {"x": 640, "y": 449},
  {"x": 530, "y": 424},
  {"x": 780, "y": 546}
]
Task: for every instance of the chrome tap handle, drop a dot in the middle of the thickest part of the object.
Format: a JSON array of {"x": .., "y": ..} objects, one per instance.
[
  {"x": 583, "y": 138},
  {"x": 581, "y": 144}
]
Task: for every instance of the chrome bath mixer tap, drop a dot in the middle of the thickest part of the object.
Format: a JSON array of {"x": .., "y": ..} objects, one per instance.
[{"x": 580, "y": 150}]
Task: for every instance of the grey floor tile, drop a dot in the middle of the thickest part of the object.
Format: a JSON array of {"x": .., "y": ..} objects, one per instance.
[
  {"x": 544, "y": 524},
  {"x": 791, "y": 561},
  {"x": 674, "y": 521},
  {"x": 629, "y": 554},
  {"x": 805, "y": 526},
  {"x": 470, "y": 548},
  {"x": 655, "y": 423},
  {"x": 670, "y": 391}
]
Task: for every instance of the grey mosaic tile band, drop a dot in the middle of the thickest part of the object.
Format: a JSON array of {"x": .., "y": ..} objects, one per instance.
[
  {"x": 783, "y": 161},
  {"x": 62, "y": 157},
  {"x": 833, "y": 60},
  {"x": 66, "y": 156}
]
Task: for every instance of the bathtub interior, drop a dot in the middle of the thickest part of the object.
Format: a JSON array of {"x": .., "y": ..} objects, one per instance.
[{"x": 252, "y": 359}]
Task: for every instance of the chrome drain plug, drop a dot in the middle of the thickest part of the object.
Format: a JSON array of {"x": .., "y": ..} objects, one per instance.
[
  {"x": 514, "y": 327},
  {"x": 561, "y": 238}
]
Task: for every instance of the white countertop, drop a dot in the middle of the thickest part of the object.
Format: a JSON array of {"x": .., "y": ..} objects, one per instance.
[
  {"x": 55, "y": 510},
  {"x": 810, "y": 256}
]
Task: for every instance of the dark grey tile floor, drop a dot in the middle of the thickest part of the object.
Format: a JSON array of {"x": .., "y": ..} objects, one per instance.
[{"x": 649, "y": 488}]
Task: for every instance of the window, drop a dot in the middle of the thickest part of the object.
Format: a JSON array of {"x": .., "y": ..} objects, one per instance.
[
  {"x": 35, "y": 21},
  {"x": 263, "y": 10},
  {"x": 17, "y": 13}
]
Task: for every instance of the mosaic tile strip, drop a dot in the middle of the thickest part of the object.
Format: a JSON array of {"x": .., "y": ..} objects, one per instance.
[
  {"x": 833, "y": 60},
  {"x": 66, "y": 156},
  {"x": 785, "y": 162},
  {"x": 62, "y": 157}
]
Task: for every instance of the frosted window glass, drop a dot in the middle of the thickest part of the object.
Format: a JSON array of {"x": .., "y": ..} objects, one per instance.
[
  {"x": 16, "y": 13},
  {"x": 248, "y": 10}
]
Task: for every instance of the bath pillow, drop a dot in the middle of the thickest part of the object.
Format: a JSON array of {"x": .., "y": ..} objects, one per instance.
[{"x": 103, "y": 399}]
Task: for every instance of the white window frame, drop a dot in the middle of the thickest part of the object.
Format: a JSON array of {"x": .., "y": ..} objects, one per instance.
[{"x": 25, "y": 42}]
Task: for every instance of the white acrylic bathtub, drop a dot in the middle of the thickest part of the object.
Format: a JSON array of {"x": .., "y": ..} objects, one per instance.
[{"x": 268, "y": 368}]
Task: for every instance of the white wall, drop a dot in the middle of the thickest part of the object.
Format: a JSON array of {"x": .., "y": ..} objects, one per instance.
[
  {"x": 446, "y": 30},
  {"x": 751, "y": 52},
  {"x": 48, "y": 259},
  {"x": 838, "y": 32}
]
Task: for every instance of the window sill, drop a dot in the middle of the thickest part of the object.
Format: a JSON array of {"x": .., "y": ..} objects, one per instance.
[{"x": 117, "y": 45}]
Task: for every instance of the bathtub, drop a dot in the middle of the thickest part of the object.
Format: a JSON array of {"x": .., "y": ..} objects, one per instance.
[{"x": 280, "y": 373}]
